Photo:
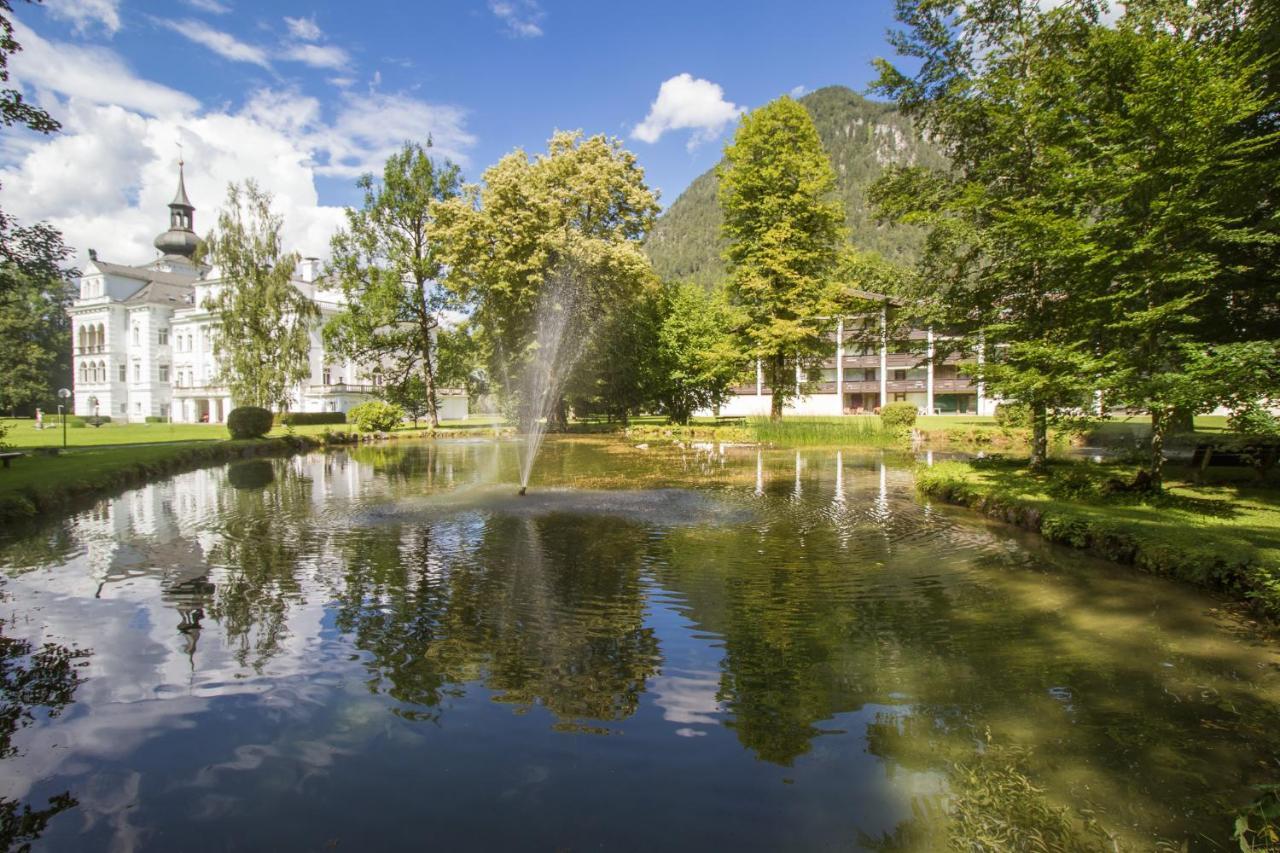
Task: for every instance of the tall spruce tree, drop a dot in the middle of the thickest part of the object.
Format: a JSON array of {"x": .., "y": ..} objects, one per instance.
[
  {"x": 783, "y": 226},
  {"x": 388, "y": 265},
  {"x": 264, "y": 322}
]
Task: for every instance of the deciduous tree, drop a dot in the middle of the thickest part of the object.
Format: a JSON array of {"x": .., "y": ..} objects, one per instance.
[
  {"x": 264, "y": 322},
  {"x": 784, "y": 226},
  {"x": 388, "y": 265}
]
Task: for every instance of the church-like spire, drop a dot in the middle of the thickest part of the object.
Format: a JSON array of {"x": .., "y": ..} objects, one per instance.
[{"x": 181, "y": 237}]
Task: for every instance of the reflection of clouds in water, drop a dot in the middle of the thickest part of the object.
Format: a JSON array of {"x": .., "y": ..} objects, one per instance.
[{"x": 688, "y": 698}]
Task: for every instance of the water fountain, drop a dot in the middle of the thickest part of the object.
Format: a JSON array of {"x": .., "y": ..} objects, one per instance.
[{"x": 555, "y": 352}]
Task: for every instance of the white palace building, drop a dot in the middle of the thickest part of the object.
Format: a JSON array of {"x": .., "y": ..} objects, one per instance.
[{"x": 145, "y": 347}]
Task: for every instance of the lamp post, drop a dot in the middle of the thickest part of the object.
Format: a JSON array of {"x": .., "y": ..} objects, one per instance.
[{"x": 63, "y": 394}]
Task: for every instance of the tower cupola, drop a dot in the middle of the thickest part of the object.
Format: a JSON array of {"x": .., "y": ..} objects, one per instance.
[{"x": 180, "y": 239}]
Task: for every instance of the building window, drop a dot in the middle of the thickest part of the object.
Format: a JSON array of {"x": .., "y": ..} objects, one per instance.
[
  {"x": 899, "y": 397},
  {"x": 137, "y": 407},
  {"x": 325, "y": 377},
  {"x": 123, "y": 409},
  {"x": 164, "y": 373},
  {"x": 124, "y": 373},
  {"x": 899, "y": 376},
  {"x": 137, "y": 373},
  {"x": 162, "y": 337},
  {"x": 137, "y": 335},
  {"x": 164, "y": 411}
]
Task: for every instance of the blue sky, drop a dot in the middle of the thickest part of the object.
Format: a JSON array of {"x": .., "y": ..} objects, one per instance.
[{"x": 304, "y": 96}]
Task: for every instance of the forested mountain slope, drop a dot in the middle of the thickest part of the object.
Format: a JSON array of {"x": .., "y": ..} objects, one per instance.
[{"x": 862, "y": 137}]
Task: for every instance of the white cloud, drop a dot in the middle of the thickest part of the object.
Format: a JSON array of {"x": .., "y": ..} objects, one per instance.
[
  {"x": 797, "y": 91},
  {"x": 317, "y": 55},
  {"x": 83, "y": 14},
  {"x": 213, "y": 7},
  {"x": 105, "y": 179},
  {"x": 90, "y": 73},
  {"x": 224, "y": 44},
  {"x": 303, "y": 28},
  {"x": 522, "y": 18},
  {"x": 684, "y": 102}
]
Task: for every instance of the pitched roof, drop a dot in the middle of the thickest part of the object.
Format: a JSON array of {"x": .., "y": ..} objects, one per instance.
[
  {"x": 144, "y": 273},
  {"x": 164, "y": 293}
]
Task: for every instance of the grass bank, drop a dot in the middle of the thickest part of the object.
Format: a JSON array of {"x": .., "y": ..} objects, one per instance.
[
  {"x": 1223, "y": 536},
  {"x": 40, "y": 484}
]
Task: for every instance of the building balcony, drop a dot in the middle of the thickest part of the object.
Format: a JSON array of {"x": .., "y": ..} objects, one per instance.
[
  {"x": 199, "y": 391},
  {"x": 89, "y": 350},
  {"x": 341, "y": 388}
]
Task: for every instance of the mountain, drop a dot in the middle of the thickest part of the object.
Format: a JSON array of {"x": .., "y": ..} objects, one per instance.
[{"x": 862, "y": 137}]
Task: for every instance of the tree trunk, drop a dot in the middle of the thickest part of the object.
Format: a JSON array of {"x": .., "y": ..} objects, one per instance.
[
  {"x": 1161, "y": 418},
  {"x": 775, "y": 409},
  {"x": 1182, "y": 420},
  {"x": 558, "y": 419},
  {"x": 429, "y": 378},
  {"x": 1039, "y": 436}
]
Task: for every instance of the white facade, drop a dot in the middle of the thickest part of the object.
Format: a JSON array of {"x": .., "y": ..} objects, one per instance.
[{"x": 144, "y": 346}]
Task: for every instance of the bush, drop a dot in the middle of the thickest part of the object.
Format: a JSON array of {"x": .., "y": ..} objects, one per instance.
[
  {"x": 249, "y": 422},
  {"x": 1013, "y": 415},
  {"x": 154, "y": 419},
  {"x": 898, "y": 415},
  {"x": 376, "y": 416},
  {"x": 310, "y": 418},
  {"x": 1252, "y": 419}
]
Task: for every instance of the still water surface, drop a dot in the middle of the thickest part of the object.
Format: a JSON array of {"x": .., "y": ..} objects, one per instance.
[{"x": 672, "y": 648}]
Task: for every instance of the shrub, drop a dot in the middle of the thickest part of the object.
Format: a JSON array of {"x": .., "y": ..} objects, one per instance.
[
  {"x": 376, "y": 416},
  {"x": 249, "y": 422},
  {"x": 1013, "y": 415},
  {"x": 1252, "y": 419},
  {"x": 154, "y": 419},
  {"x": 898, "y": 415},
  {"x": 309, "y": 418}
]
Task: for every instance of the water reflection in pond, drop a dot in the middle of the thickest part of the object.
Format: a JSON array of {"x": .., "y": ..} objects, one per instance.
[{"x": 676, "y": 648}]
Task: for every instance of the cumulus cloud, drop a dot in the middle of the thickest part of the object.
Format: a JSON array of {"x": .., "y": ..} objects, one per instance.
[
  {"x": 105, "y": 180},
  {"x": 687, "y": 103},
  {"x": 303, "y": 28},
  {"x": 90, "y": 73},
  {"x": 222, "y": 43},
  {"x": 85, "y": 14},
  {"x": 521, "y": 18},
  {"x": 213, "y": 7}
]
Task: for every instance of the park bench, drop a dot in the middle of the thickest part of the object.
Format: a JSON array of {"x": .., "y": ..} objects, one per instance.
[
  {"x": 1261, "y": 456},
  {"x": 6, "y": 458}
]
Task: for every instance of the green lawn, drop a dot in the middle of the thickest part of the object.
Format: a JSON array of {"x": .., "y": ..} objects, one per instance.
[
  {"x": 1224, "y": 533},
  {"x": 23, "y": 434}
]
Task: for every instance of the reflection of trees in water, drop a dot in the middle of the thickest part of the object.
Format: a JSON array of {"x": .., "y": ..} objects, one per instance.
[
  {"x": 545, "y": 612},
  {"x": 1079, "y": 680},
  {"x": 264, "y": 532},
  {"x": 32, "y": 678}
]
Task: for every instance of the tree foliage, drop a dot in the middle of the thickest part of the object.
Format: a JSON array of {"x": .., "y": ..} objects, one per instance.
[
  {"x": 387, "y": 263},
  {"x": 35, "y": 338},
  {"x": 695, "y": 360},
  {"x": 583, "y": 205},
  {"x": 263, "y": 322},
  {"x": 783, "y": 229}
]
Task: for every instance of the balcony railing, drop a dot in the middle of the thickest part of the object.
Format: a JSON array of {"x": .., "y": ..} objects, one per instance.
[
  {"x": 341, "y": 388},
  {"x": 89, "y": 350}
]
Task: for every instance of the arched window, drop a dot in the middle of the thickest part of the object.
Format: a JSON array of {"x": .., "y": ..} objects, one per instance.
[
  {"x": 80, "y": 339},
  {"x": 84, "y": 374},
  {"x": 102, "y": 338},
  {"x": 102, "y": 371}
]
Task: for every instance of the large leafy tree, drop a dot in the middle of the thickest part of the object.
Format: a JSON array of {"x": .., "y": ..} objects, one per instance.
[
  {"x": 388, "y": 265},
  {"x": 1007, "y": 248},
  {"x": 695, "y": 359},
  {"x": 573, "y": 217},
  {"x": 783, "y": 226},
  {"x": 1182, "y": 175},
  {"x": 35, "y": 338},
  {"x": 264, "y": 322}
]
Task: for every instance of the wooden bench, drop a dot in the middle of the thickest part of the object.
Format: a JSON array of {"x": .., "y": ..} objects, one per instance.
[{"x": 6, "y": 458}]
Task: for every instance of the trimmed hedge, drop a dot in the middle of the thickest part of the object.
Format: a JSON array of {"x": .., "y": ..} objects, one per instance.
[
  {"x": 154, "y": 419},
  {"x": 311, "y": 418},
  {"x": 249, "y": 422},
  {"x": 898, "y": 415}
]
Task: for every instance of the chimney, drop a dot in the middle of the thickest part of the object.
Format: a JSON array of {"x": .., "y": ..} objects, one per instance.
[{"x": 309, "y": 269}]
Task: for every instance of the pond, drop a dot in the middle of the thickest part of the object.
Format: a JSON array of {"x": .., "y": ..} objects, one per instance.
[{"x": 667, "y": 647}]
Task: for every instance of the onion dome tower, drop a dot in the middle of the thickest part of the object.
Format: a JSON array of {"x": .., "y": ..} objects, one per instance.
[{"x": 180, "y": 239}]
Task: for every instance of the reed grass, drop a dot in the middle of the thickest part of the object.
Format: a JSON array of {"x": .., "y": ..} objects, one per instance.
[{"x": 864, "y": 430}]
